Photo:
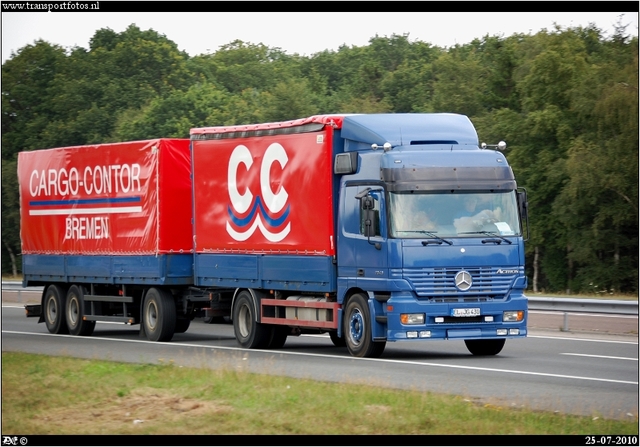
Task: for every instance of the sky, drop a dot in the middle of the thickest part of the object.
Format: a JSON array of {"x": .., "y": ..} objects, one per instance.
[{"x": 295, "y": 32}]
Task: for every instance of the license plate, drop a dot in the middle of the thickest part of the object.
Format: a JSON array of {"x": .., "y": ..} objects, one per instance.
[{"x": 467, "y": 312}]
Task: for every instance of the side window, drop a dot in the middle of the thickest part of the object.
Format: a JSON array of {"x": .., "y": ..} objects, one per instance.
[{"x": 376, "y": 216}]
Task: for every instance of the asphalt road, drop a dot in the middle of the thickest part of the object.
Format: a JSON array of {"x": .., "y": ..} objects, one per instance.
[
  {"x": 571, "y": 322},
  {"x": 585, "y": 373}
]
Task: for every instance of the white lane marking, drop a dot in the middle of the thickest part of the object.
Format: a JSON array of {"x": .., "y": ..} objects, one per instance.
[
  {"x": 599, "y": 356},
  {"x": 351, "y": 359}
]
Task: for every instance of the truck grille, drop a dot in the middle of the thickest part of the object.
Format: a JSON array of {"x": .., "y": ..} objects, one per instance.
[{"x": 439, "y": 283}]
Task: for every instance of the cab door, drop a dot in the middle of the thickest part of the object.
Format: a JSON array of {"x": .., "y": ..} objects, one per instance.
[{"x": 362, "y": 251}]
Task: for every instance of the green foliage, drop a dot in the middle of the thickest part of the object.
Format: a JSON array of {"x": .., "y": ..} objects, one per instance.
[
  {"x": 175, "y": 114},
  {"x": 459, "y": 84},
  {"x": 289, "y": 100},
  {"x": 27, "y": 98},
  {"x": 564, "y": 100},
  {"x": 239, "y": 66},
  {"x": 10, "y": 217}
]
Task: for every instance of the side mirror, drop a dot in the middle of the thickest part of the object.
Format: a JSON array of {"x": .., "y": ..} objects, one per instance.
[
  {"x": 523, "y": 207},
  {"x": 523, "y": 204},
  {"x": 370, "y": 216}
]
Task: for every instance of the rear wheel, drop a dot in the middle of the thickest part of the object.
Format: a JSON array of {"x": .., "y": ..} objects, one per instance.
[
  {"x": 182, "y": 324},
  {"x": 217, "y": 320},
  {"x": 53, "y": 307},
  {"x": 76, "y": 310},
  {"x": 159, "y": 315},
  {"x": 249, "y": 333},
  {"x": 357, "y": 329},
  {"x": 485, "y": 347},
  {"x": 278, "y": 337}
]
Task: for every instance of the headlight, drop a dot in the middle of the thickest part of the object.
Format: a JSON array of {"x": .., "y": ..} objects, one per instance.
[
  {"x": 412, "y": 318},
  {"x": 513, "y": 315}
]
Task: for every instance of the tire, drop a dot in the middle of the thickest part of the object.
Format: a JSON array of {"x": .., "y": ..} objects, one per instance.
[
  {"x": 249, "y": 333},
  {"x": 159, "y": 315},
  {"x": 215, "y": 320},
  {"x": 485, "y": 347},
  {"x": 357, "y": 329},
  {"x": 339, "y": 342},
  {"x": 76, "y": 309},
  {"x": 278, "y": 337},
  {"x": 53, "y": 307},
  {"x": 182, "y": 325}
]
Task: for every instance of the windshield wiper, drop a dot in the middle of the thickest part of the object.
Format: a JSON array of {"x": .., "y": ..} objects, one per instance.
[
  {"x": 488, "y": 233},
  {"x": 433, "y": 235}
]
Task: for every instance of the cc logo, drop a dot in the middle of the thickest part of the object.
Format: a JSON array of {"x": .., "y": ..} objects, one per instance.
[{"x": 265, "y": 207}]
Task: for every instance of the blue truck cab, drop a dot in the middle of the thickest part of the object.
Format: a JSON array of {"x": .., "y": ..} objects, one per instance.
[{"x": 430, "y": 235}]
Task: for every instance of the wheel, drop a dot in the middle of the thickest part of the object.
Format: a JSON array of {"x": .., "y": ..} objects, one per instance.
[
  {"x": 485, "y": 347},
  {"x": 76, "y": 309},
  {"x": 278, "y": 337},
  {"x": 357, "y": 329},
  {"x": 53, "y": 306},
  {"x": 340, "y": 342},
  {"x": 249, "y": 333},
  {"x": 182, "y": 324},
  {"x": 159, "y": 315},
  {"x": 215, "y": 320}
]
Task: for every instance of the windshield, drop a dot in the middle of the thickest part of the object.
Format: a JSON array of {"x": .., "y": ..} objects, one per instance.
[{"x": 417, "y": 215}]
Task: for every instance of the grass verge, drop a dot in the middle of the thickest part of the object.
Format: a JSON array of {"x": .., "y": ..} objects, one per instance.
[{"x": 44, "y": 395}]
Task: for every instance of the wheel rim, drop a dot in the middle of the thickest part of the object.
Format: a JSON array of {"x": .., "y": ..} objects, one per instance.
[
  {"x": 52, "y": 310},
  {"x": 356, "y": 327},
  {"x": 244, "y": 321},
  {"x": 152, "y": 315},
  {"x": 73, "y": 311}
]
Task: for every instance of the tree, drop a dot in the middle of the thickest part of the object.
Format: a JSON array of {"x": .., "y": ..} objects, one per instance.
[
  {"x": 10, "y": 218},
  {"x": 27, "y": 96},
  {"x": 239, "y": 65},
  {"x": 459, "y": 85},
  {"x": 410, "y": 85},
  {"x": 121, "y": 72},
  {"x": 289, "y": 100},
  {"x": 175, "y": 114},
  {"x": 602, "y": 190}
]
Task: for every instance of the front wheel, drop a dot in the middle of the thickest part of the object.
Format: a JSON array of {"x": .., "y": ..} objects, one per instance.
[
  {"x": 339, "y": 342},
  {"x": 249, "y": 333},
  {"x": 357, "y": 329},
  {"x": 491, "y": 346},
  {"x": 54, "y": 310},
  {"x": 76, "y": 309},
  {"x": 159, "y": 315}
]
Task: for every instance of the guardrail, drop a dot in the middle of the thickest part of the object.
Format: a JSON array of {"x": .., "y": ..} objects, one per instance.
[{"x": 584, "y": 305}]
